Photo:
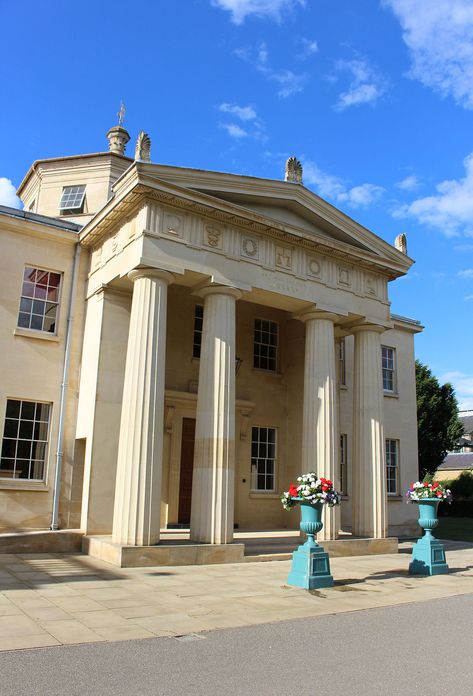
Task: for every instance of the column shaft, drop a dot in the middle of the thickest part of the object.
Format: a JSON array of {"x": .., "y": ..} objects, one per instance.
[
  {"x": 369, "y": 469},
  {"x": 140, "y": 448},
  {"x": 214, "y": 454},
  {"x": 320, "y": 450}
]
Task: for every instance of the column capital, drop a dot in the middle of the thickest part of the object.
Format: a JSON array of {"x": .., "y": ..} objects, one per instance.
[
  {"x": 148, "y": 272},
  {"x": 309, "y": 314},
  {"x": 216, "y": 289},
  {"x": 376, "y": 328}
]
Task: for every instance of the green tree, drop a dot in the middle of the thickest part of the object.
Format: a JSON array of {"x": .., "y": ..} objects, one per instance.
[{"x": 438, "y": 427}]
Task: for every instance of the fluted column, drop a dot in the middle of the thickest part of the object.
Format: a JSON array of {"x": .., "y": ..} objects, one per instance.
[
  {"x": 140, "y": 449},
  {"x": 369, "y": 468},
  {"x": 214, "y": 453},
  {"x": 320, "y": 449}
]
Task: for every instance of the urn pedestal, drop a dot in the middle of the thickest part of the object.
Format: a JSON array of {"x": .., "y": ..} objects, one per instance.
[
  {"x": 310, "y": 567},
  {"x": 428, "y": 554}
]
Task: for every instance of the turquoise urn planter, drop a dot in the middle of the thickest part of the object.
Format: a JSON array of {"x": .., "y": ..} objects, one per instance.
[
  {"x": 428, "y": 554},
  {"x": 310, "y": 567}
]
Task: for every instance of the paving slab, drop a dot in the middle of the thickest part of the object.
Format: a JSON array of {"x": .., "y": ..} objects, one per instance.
[{"x": 54, "y": 599}]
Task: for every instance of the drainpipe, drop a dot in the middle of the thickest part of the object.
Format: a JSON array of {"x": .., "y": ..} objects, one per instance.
[{"x": 64, "y": 385}]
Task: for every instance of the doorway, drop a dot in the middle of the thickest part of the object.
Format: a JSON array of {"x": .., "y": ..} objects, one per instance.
[{"x": 187, "y": 468}]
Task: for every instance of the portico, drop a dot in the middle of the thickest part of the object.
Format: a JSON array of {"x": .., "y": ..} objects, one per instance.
[{"x": 264, "y": 392}]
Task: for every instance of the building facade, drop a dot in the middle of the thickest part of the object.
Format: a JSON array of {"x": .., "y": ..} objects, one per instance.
[{"x": 178, "y": 345}]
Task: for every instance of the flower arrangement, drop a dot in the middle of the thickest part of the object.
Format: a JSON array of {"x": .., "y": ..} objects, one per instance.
[
  {"x": 311, "y": 489},
  {"x": 422, "y": 489}
]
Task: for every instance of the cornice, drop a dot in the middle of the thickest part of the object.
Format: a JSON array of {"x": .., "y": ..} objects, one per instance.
[
  {"x": 194, "y": 179},
  {"x": 136, "y": 186}
]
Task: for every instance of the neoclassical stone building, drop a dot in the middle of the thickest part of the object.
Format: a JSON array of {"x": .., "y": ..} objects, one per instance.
[{"x": 179, "y": 344}]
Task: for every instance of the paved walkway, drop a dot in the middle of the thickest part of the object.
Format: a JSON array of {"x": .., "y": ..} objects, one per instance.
[{"x": 54, "y": 599}]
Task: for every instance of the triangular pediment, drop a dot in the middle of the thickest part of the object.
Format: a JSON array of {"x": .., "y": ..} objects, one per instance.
[
  {"x": 288, "y": 209},
  {"x": 291, "y": 205},
  {"x": 293, "y": 214}
]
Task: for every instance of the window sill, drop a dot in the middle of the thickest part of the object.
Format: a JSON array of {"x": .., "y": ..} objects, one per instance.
[
  {"x": 32, "y": 333},
  {"x": 260, "y": 495},
  {"x": 343, "y": 387},
  {"x": 23, "y": 485},
  {"x": 395, "y": 498},
  {"x": 391, "y": 395}
]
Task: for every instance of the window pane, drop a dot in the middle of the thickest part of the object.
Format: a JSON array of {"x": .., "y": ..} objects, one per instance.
[
  {"x": 40, "y": 285},
  {"x": 36, "y": 322},
  {"x": 8, "y": 447},
  {"x": 28, "y": 410},
  {"x": 11, "y": 428},
  {"x": 7, "y": 468},
  {"x": 265, "y": 344},
  {"x": 23, "y": 321},
  {"x": 263, "y": 460},
  {"x": 26, "y": 430},
  {"x": 24, "y": 444},
  {"x": 13, "y": 408},
  {"x": 42, "y": 412}
]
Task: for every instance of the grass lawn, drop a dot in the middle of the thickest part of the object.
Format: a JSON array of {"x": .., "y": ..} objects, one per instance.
[{"x": 456, "y": 528}]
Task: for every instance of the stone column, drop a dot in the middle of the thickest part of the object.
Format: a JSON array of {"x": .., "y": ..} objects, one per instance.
[
  {"x": 369, "y": 468},
  {"x": 140, "y": 449},
  {"x": 320, "y": 443},
  {"x": 214, "y": 453}
]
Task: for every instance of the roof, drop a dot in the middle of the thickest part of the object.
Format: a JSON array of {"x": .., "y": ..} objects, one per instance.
[
  {"x": 66, "y": 159},
  {"x": 407, "y": 320},
  {"x": 457, "y": 460},
  {"x": 467, "y": 422},
  {"x": 40, "y": 219}
]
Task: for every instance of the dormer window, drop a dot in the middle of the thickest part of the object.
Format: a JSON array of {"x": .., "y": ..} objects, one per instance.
[{"x": 72, "y": 200}]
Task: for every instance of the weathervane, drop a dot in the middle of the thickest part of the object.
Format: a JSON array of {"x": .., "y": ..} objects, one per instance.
[{"x": 121, "y": 113}]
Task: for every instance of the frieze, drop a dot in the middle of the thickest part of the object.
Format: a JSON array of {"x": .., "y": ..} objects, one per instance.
[
  {"x": 173, "y": 225},
  {"x": 371, "y": 285},
  {"x": 344, "y": 276},
  {"x": 283, "y": 257},
  {"x": 250, "y": 248},
  {"x": 314, "y": 267},
  {"x": 213, "y": 237}
]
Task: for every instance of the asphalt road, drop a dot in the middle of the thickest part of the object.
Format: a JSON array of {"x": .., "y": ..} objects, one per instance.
[{"x": 420, "y": 648}]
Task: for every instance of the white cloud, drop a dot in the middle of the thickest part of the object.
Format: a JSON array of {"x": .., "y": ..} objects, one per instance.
[
  {"x": 463, "y": 385},
  {"x": 468, "y": 297},
  {"x": 363, "y": 195},
  {"x": 244, "y": 113},
  {"x": 8, "y": 193},
  {"x": 439, "y": 35},
  {"x": 409, "y": 183},
  {"x": 241, "y": 9},
  {"x": 467, "y": 273},
  {"x": 289, "y": 82},
  {"x": 331, "y": 186},
  {"x": 234, "y": 130},
  {"x": 254, "y": 126},
  {"x": 451, "y": 209},
  {"x": 366, "y": 85},
  {"x": 308, "y": 47},
  {"x": 463, "y": 247}
]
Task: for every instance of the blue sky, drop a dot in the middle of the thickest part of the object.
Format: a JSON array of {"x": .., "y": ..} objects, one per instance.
[{"x": 374, "y": 96}]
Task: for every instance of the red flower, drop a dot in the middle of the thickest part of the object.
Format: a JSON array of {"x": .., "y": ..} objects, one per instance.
[
  {"x": 439, "y": 495},
  {"x": 426, "y": 485},
  {"x": 435, "y": 485},
  {"x": 293, "y": 490},
  {"x": 325, "y": 487}
]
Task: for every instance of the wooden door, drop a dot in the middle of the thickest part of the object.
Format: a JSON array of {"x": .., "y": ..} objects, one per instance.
[{"x": 187, "y": 467}]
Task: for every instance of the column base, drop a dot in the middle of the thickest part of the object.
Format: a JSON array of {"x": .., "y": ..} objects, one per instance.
[
  {"x": 123, "y": 556},
  {"x": 428, "y": 557},
  {"x": 310, "y": 568}
]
